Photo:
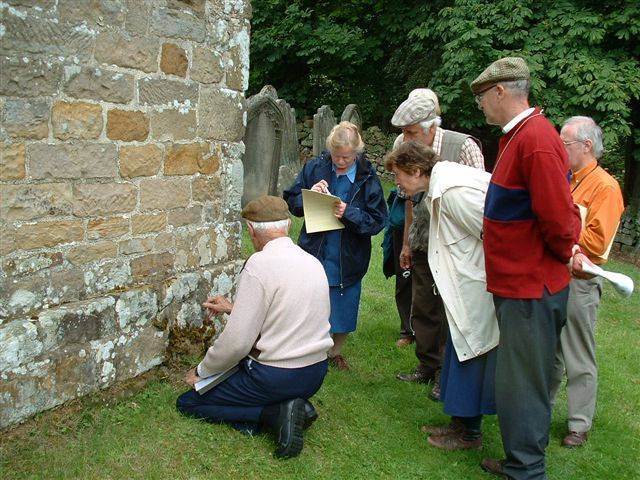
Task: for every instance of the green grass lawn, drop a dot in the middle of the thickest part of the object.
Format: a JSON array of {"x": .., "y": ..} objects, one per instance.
[{"x": 368, "y": 427}]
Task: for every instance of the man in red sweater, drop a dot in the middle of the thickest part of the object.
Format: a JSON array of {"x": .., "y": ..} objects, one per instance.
[{"x": 531, "y": 227}]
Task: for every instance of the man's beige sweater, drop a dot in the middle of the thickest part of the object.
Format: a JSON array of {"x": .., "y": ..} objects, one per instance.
[{"x": 281, "y": 308}]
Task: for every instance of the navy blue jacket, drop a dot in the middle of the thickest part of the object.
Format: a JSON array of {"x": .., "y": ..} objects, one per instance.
[{"x": 365, "y": 215}]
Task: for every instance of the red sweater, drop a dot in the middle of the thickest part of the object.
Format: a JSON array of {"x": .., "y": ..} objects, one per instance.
[{"x": 530, "y": 221}]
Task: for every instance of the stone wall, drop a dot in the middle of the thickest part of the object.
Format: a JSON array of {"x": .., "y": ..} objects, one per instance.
[{"x": 120, "y": 178}]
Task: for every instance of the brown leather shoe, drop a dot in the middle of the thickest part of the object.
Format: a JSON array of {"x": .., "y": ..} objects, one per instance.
[
  {"x": 404, "y": 342},
  {"x": 493, "y": 466},
  {"x": 434, "y": 394},
  {"x": 454, "y": 427},
  {"x": 454, "y": 442},
  {"x": 339, "y": 362},
  {"x": 575, "y": 439}
]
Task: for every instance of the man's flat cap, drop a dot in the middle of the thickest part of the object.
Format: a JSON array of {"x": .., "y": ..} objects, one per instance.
[
  {"x": 415, "y": 109},
  {"x": 504, "y": 70},
  {"x": 266, "y": 209}
]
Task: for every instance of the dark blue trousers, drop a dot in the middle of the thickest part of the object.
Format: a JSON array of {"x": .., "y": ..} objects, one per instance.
[
  {"x": 239, "y": 400},
  {"x": 529, "y": 336}
]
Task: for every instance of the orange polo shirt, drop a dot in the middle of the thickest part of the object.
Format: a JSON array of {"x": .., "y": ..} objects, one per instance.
[{"x": 593, "y": 189}]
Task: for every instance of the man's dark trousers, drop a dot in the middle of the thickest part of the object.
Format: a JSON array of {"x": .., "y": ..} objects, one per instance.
[
  {"x": 403, "y": 287},
  {"x": 529, "y": 336},
  {"x": 239, "y": 400},
  {"x": 428, "y": 318}
]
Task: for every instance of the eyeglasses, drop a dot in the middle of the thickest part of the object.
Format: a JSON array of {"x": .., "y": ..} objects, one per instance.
[
  {"x": 478, "y": 97},
  {"x": 566, "y": 144}
]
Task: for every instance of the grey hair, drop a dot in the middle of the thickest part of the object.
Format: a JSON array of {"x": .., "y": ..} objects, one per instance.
[
  {"x": 588, "y": 129},
  {"x": 520, "y": 87},
  {"x": 345, "y": 134},
  {"x": 426, "y": 125},
  {"x": 279, "y": 225}
]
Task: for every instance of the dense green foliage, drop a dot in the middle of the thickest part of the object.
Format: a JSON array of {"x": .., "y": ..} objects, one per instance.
[{"x": 583, "y": 56}]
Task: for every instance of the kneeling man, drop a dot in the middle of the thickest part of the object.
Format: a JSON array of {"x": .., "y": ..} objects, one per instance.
[{"x": 278, "y": 333}]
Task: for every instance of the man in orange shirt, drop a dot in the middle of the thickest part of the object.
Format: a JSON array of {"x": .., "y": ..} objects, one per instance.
[{"x": 598, "y": 196}]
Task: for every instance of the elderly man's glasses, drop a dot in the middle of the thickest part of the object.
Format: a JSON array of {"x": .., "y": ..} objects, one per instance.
[
  {"x": 566, "y": 143},
  {"x": 478, "y": 97}
]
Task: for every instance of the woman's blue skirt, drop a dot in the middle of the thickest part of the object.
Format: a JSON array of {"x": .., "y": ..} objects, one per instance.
[
  {"x": 345, "y": 303},
  {"x": 468, "y": 388}
]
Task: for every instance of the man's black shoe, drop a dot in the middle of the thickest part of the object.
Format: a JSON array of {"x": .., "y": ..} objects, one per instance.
[
  {"x": 287, "y": 428},
  {"x": 416, "y": 377},
  {"x": 310, "y": 414}
]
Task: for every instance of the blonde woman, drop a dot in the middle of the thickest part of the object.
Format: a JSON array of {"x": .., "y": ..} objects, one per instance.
[{"x": 342, "y": 170}]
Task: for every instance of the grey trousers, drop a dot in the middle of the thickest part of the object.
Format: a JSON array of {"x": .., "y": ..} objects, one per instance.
[
  {"x": 577, "y": 353},
  {"x": 529, "y": 337}
]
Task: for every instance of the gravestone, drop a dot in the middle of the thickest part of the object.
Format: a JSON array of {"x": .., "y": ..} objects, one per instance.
[
  {"x": 263, "y": 145},
  {"x": 289, "y": 157},
  {"x": 352, "y": 114},
  {"x": 323, "y": 122}
]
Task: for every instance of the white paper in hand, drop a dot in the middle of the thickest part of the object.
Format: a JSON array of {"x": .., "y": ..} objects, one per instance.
[
  {"x": 207, "y": 383},
  {"x": 319, "y": 212}
]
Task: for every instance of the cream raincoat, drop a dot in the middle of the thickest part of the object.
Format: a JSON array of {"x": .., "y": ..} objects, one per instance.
[{"x": 456, "y": 257}]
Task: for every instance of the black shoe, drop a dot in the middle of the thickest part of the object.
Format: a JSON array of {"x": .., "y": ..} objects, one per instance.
[
  {"x": 310, "y": 414},
  {"x": 416, "y": 377},
  {"x": 288, "y": 427}
]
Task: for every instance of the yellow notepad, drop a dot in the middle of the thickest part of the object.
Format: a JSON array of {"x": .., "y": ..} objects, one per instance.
[{"x": 319, "y": 212}]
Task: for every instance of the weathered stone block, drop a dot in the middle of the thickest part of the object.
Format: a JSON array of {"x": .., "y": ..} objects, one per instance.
[
  {"x": 98, "y": 84},
  {"x": 29, "y": 202},
  {"x": 111, "y": 227},
  {"x": 164, "y": 241},
  {"x": 206, "y": 189},
  {"x": 140, "y": 161},
  {"x": 164, "y": 193},
  {"x": 136, "y": 245},
  {"x": 107, "y": 276},
  {"x": 127, "y": 125},
  {"x": 148, "y": 223},
  {"x": 79, "y": 323},
  {"x": 173, "y": 60},
  {"x": 193, "y": 249},
  {"x": 221, "y": 115},
  {"x": 77, "y": 120},
  {"x": 7, "y": 241},
  {"x": 177, "y": 24},
  {"x": 126, "y": 50},
  {"x": 92, "y": 12},
  {"x": 172, "y": 93},
  {"x": 20, "y": 344},
  {"x": 77, "y": 160},
  {"x": 92, "y": 252},
  {"x": 173, "y": 124},
  {"x": 197, "y": 6},
  {"x": 48, "y": 234},
  {"x": 238, "y": 64},
  {"x": 137, "y": 17},
  {"x": 136, "y": 308},
  {"x": 185, "y": 216},
  {"x": 190, "y": 158},
  {"x": 30, "y": 264},
  {"x": 99, "y": 199},
  {"x": 28, "y": 77},
  {"x": 12, "y": 161},
  {"x": 149, "y": 267},
  {"x": 34, "y": 35},
  {"x": 26, "y": 118},
  {"x": 206, "y": 65}
]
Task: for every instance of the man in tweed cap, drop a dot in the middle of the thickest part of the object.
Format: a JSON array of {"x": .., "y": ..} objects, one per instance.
[
  {"x": 419, "y": 118},
  {"x": 530, "y": 231}
]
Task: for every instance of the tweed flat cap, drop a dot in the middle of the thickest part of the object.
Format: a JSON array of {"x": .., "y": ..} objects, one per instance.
[
  {"x": 415, "y": 109},
  {"x": 427, "y": 92},
  {"x": 503, "y": 70},
  {"x": 266, "y": 209}
]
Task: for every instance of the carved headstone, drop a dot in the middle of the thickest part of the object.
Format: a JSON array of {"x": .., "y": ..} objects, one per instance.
[
  {"x": 263, "y": 145},
  {"x": 352, "y": 114},
  {"x": 289, "y": 157},
  {"x": 323, "y": 122}
]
